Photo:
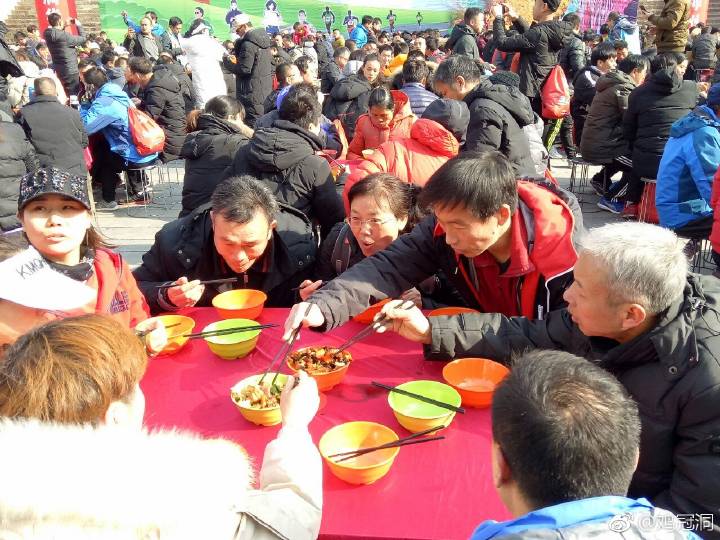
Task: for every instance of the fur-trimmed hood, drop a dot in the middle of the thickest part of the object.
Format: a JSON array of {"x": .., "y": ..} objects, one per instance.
[{"x": 77, "y": 482}]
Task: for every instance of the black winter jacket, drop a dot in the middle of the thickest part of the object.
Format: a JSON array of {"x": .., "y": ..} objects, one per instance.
[
  {"x": 186, "y": 86},
  {"x": 330, "y": 77},
  {"x": 62, "y": 49},
  {"x": 348, "y": 100},
  {"x": 463, "y": 40},
  {"x": 672, "y": 372},
  {"x": 8, "y": 66},
  {"x": 283, "y": 157},
  {"x": 207, "y": 153},
  {"x": 17, "y": 157},
  {"x": 329, "y": 136},
  {"x": 572, "y": 58},
  {"x": 253, "y": 72},
  {"x": 704, "y": 50},
  {"x": 538, "y": 45},
  {"x": 162, "y": 99},
  {"x": 185, "y": 247},
  {"x": 602, "y": 138},
  {"x": 56, "y": 132},
  {"x": 497, "y": 115},
  {"x": 652, "y": 109}
]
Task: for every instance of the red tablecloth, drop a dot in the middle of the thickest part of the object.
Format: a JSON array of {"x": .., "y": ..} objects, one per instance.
[{"x": 438, "y": 490}]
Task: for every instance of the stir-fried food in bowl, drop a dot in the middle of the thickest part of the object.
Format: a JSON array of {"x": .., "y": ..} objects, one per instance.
[{"x": 318, "y": 360}]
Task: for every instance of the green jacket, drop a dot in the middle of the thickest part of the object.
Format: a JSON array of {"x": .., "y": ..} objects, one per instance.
[{"x": 672, "y": 26}]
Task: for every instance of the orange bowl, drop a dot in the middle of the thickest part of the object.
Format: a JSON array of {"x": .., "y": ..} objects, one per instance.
[
  {"x": 175, "y": 336},
  {"x": 240, "y": 304},
  {"x": 451, "y": 311},
  {"x": 367, "y": 316},
  {"x": 325, "y": 381},
  {"x": 364, "y": 469},
  {"x": 475, "y": 379}
]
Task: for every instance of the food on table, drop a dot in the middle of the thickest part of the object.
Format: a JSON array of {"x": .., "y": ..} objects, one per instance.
[
  {"x": 256, "y": 396},
  {"x": 318, "y": 360}
]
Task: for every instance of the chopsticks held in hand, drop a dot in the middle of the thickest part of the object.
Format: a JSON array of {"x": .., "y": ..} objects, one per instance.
[
  {"x": 419, "y": 397},
  {"x": 228, "y": 331},
  {"x": 207, "y": 282},
  {"x": 365, "y": 332},
  {"x": 142, "y": 333},
  {"x": 405, "y": 441},
  {"x": 284, "y": 350}
]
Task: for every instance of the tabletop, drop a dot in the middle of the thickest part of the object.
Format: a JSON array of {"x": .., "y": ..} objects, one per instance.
[{"x": 440, "y": 490}]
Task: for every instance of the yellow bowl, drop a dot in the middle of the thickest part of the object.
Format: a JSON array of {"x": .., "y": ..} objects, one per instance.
[
  {"x": 232, "y": 346},
  {"x": 240, "y": 304},
  {"x": 269, "y": 416},
  {"x": 415, "y": 415},
  {"x": 174, "y": 342},
  {"x": 364, "y": 469}
]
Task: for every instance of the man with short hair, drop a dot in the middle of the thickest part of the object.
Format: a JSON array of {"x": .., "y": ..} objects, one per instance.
[
  {"x": 463, "y": 39},
  {"x": 144, "y": 44},
  {"x": 623, "y": 29},
  {"x": 175, "y": 26},
  {"x": 62, "y": 46},
  {"x": 561, "y": 417},
  {"x": 621, "y": 49},
  {"x": 55, "y": 130},
  {"x": 497, "y": 114},
  {"x": 157, "y": 28},
  {"x": 385, "y": 55},
  {"x": 360, "y": 33},
  {"x": 334, "y": 72},
  {"x": 636, "y": 311},
  {"x": 703, "y": 54},
  {"x": 415, "y": 75},
  {"x": 245, "y": 233}
]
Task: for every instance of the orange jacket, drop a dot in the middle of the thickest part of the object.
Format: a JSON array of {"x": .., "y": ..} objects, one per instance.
[
  {"x": 118, "y": 294},
  {"x": 715, "y": 204},
  {"x": 413, "y": 160},
  {"x": 368, "y": 136},
  {"x": 395, "y": 65}
]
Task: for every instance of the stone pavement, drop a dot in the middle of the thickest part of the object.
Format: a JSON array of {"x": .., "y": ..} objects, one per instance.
[{"x": 132, "y": 228}]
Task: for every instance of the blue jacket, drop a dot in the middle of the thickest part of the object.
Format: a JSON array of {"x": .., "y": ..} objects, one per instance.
[
  {"x": 599, "y": 517},
  {"x": 108, "y": 113},
  {"x": 627, "y": 31},
  {"x": 687, "y": 167},
  {"x": 359, "y": 35},
  {"x": 157, "y": 28},
  {"x": 419, "y": 96}
]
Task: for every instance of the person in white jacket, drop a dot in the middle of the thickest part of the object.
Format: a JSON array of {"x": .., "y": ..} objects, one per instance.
[
  {"x": 77, "y": 465},
  {"x": 204, "y": 54}
]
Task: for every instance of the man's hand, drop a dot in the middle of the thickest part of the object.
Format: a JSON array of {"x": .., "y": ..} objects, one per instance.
[
  {"x": 186, "y": 293},
  {"x": 497, "y": 10},
  {"x": 297, "y": 318},
  {"x": 511, "y": 11},
  {"x": 299, "y": 404},
  {"x": 410, "y": 323},
  {"x": 413, "y": 295},
  {"x": 124, "y": 14},
  {"x": 308, "y": 287},
  {"x": 644, "y": 9}
]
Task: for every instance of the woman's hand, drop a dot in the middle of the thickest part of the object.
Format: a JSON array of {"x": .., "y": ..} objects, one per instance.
[{"x": 156, "y": 337}]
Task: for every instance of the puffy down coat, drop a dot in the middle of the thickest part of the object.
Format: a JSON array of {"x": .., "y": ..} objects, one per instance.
[{"x": 369, "y": 136}]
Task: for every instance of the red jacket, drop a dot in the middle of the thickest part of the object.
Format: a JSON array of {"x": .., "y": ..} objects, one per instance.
[
  {"x": 714, "y": 203},
  {"x": 118, "y": 294},
  {"x": 368, "y": 136},
  {"x": 413, "y": 160}
]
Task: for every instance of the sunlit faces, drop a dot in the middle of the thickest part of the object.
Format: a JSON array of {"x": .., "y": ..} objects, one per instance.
[
  {"x": 294, "y": 76},
  {"x": 452, "y": 91},
  {"x": 373, "y": 224},
  {"x": 56, "y": 226},
  {"x": 146, "y": 26},
  {"x": 371, "y": 70},
  {"x": 342, "y": 60},
  {"x": 278, "y": 40},
  {"x": 385, "y": 58},
  {"x": 607, "y": 65},
  {"x": 380, "y": 116},
  {"x": 638, "y": 76},
  {"x": 681, "y": 68},
  {"x": 466, "y": 234},
  {"x": 242, "y": 244}
]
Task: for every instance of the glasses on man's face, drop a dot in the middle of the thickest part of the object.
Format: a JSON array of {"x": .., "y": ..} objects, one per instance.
[{"x": 373, "y": 223}]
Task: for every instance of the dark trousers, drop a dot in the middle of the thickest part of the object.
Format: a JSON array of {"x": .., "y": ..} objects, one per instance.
[
  {"x": 71, "y": 83},
  {"x": 629, "y": 181},
  {"x": 699, "y": 230},
  {"x": 106, "y": 169}
]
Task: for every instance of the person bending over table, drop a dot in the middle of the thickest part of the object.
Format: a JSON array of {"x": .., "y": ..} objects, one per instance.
[
  {"x": 244, "y": 232},
  {"x": 635, "y": 310},
  {"x": 505, "y": 245},
  {"x": 561, "y": 417},
  {"x": 72, "y": 387}
]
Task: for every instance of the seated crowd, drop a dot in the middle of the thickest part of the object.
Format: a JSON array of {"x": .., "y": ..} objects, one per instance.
[{"x": 334, "y": 173}]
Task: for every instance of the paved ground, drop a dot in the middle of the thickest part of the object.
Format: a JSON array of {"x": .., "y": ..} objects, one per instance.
[{"x": 133, "y": 228}]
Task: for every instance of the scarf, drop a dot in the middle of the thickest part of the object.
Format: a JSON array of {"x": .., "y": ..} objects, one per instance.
[{"x": 79, "y": 272}]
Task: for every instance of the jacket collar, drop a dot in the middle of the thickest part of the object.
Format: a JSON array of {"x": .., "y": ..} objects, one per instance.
[{"x": 44, "y": 99}]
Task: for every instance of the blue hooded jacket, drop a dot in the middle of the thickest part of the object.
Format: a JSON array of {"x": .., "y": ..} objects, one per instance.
[
  {"x": 627, "y": 31},
  {"x": 359, "y": 35},
  {"x": 597, "y": 517},
  {"x": 687, "y": 167},
  {"x": 108, "y": 113}
]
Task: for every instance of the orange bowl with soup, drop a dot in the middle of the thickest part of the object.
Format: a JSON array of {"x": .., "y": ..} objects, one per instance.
[
  {"x": 475, "y": 379},
  {"x": 240, "y": 304}
]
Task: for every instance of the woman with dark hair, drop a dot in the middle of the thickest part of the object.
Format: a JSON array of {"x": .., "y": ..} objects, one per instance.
[
  {"x": 349, "y": 97},
  {"x": 220, "y": 133},
  {"x": 389, "y": 117}
]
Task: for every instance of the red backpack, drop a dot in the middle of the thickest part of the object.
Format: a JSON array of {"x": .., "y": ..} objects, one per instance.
[
  {"x": 148, "y": 137},
  {"x": 555, "y": 95}
]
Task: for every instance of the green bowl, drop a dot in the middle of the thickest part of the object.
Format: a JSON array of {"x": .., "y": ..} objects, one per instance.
[
  {"x": 235, "y": 345},
  {"x": 415, "y": 415}
]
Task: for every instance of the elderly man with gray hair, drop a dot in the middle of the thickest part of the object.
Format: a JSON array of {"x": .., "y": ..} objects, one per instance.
[{"x": 635, "y": 310}]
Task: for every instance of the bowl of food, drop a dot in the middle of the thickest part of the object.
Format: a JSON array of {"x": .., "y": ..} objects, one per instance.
[
  {"x": 324, "y": 364},
  {"x": 475, "y": 379},
  {"x": 236, "y": 344},
  {"x": 367, "y": 316},
  {"x": 415, "y": 415},
  {"x": 451, "y": 311},
  {"x": 364, "y": 469},
  {"x": 240, "y": 304},
  {"x": 259, "y": 403},
  {"x": 175, "y": 327}
]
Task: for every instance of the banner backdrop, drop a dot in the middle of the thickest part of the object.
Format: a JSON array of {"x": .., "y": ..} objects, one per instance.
[
  {"x": 593, "y": 13},
  {"x": 698, "y": 11},
  {"x": 44, "y": 7}
]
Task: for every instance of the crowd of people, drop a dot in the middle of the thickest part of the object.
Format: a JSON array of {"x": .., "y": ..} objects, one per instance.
[{"x": 333, "y": 171}]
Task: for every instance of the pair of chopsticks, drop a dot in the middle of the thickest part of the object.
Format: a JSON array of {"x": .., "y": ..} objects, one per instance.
[
  {"x": 207, "y": 282},
  {"x": 301, "y": 288},
  {"x": 419, "y": 397},
  {"x": 284, "y": 350},
  {"x": 405, "y": 441},
  {"x": 365, "y": 332},
  {"x": 228, "y": 331},
  {"x": 142, "y": 333}
]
